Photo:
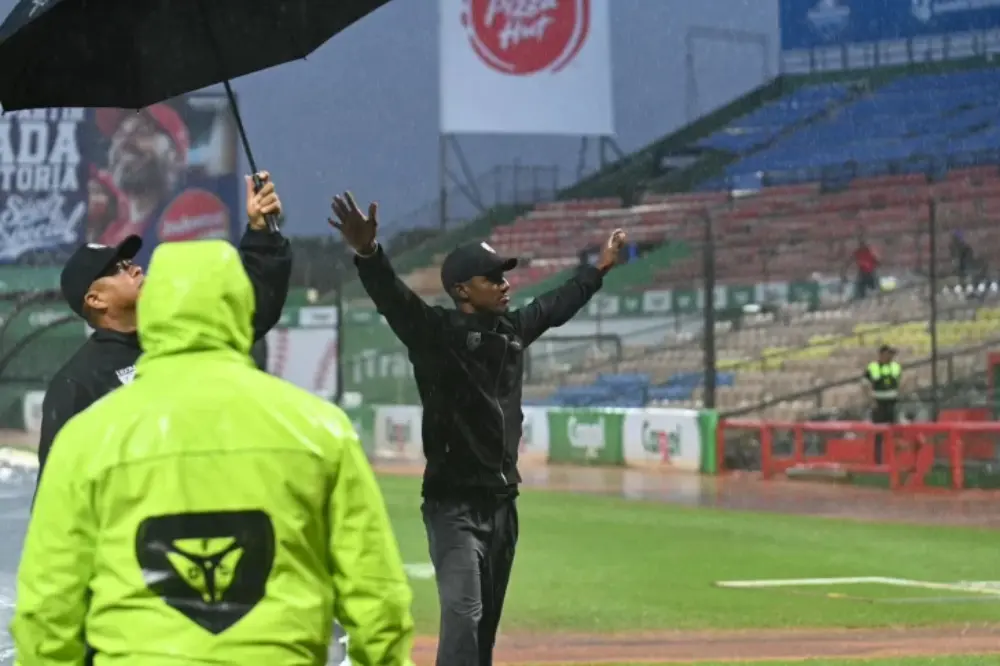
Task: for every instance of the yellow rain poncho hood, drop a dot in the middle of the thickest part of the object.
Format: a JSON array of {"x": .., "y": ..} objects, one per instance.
[
  {"x": 197, "y": 298},
  {"x": 208, "y": 513}
]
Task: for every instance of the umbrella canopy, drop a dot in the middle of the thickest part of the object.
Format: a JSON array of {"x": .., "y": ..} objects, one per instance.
[{"x": 133, "y": 53}]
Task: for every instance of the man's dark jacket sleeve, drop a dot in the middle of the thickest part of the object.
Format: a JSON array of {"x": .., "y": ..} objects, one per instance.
[
  {"x": 558, "y": 306},
  {"x": 267, "y": 258},
  {"x": 64, "y": 399},
  {"x": 415, "y": 323}
]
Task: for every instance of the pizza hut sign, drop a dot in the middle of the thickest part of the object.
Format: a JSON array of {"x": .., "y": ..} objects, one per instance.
[{"x": 524, "y": 37}]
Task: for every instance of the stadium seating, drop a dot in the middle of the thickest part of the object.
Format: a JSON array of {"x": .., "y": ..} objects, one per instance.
[
  {"x": 910, "y": 123},
  {"x": 794, "y": 352},
  {"x": 781, "y": 233},
  {"x": 767, "y": 122}
]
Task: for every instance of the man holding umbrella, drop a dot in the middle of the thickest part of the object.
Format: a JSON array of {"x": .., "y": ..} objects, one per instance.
[
  {"x": 469, "y": 364},
  {"x": 101, "y": 284}
]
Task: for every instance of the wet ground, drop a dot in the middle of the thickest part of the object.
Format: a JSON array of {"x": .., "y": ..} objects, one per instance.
[
  {"x": 16, "y": 487},
  {"x": 741, "y": 492}
]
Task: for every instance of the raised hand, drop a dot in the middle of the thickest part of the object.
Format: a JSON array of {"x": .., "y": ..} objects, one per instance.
[
  {"x": 358, "y": 230},
  {"x": 611, "y": 249}
]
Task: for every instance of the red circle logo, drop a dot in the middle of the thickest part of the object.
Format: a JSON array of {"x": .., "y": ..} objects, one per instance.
[
  {"x": 524, "y": 37},
  {"x": 194, "y": 215}
]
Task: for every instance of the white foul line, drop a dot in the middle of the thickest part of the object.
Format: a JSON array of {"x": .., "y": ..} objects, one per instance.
[{"x": 870, "y": 580}]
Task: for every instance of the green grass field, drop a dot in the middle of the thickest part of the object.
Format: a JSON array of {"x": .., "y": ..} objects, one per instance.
[
  {"x": 599, "y": 564},
  {"x": 603, "y": 564}
]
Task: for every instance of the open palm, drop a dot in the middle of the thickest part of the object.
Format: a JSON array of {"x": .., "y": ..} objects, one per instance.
[{"x": 357, "y": 229}]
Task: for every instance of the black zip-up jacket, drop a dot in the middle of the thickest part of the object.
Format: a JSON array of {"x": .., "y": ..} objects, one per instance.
[
  {"x": 107, "y": 359},
  {"x": 469, "y": 370}
]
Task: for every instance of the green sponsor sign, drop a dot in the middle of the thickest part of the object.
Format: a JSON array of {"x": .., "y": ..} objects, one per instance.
[
  {"x": 376, "y": 364},
  {"x": 586, "y": 436}
]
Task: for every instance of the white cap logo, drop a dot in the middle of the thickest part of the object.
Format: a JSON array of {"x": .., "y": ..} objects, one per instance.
[
  {"x": 486, "y": 246},
  {"x": 96, "y": 246}
]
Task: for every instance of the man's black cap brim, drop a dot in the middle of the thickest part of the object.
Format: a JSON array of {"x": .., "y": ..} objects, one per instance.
[{"x": 129, "y": 247}]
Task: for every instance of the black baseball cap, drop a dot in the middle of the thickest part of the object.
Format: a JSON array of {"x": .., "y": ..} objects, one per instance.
[
  {"x": 90, "y": 262},
  {"x": 472, "y": 260}
]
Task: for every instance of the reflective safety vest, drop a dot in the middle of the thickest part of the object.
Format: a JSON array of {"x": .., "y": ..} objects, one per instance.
[{"x": 885, "y": 379}]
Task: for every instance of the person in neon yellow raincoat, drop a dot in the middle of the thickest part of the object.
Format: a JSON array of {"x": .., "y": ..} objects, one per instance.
[{"x": 208, "y": 513}]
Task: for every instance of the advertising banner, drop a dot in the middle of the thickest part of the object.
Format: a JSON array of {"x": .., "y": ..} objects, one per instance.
[
  {"x": 306, "y": 357},
  {"x": 43, "y": 181},
  {"x": 32, "y": 410},
  {"x": 397, "y": 434},
  {"x": 808, "y": 24},
  {"x": 526, "y": 67},
  {"x": 535, "y": 434},
  {"x": 586, "y": 436},
  {"x": 165, "y": 173},
  {"x": 663, "y": 438},
  {"x": 650, "y": 438}
]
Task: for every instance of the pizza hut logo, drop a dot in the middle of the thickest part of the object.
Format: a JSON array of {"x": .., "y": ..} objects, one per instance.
[{"x": 524, "y": 37}]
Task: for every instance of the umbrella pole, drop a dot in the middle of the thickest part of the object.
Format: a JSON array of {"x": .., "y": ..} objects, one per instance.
[{"x": 273, "y": 220}]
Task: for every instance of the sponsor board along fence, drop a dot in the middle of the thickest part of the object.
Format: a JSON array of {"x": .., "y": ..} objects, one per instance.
[
  {"x": 660, "y": 438},
  {"x": 653, "y": 438}
]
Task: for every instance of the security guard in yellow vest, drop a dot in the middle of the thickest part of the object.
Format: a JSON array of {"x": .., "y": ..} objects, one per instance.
[{"x": 882, "y": 379}]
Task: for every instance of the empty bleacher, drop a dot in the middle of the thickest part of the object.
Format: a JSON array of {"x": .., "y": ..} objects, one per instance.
[
  {"x": 780, "y": 233},
  {"x": 910, "y": 125},
  {"x": 793, "y": 353},
  {"x": 768, "y": 121}
]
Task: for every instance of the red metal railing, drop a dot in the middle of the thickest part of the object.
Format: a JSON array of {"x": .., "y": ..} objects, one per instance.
[{"x": 909, "y": 452}]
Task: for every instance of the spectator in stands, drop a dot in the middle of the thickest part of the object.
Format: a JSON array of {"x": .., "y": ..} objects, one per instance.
[
  {"x": 866, "y": 261},
  {"x": 881, "y": 381}
]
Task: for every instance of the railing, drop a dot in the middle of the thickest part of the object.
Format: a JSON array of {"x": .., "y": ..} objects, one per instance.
[
  {"x": 908, "y": 454},
  {"x": 747, "y": 257},
  {"x": 671, "y": 333},
  {"x": 870, "y": 337},
  {"x": 816, "y": 394}
]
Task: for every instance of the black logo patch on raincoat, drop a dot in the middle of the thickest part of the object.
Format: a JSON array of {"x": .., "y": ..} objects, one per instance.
[{"x": 210, "y": 567}]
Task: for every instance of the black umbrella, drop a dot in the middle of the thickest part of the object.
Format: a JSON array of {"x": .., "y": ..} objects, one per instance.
[{"x": 134, "y": 53}]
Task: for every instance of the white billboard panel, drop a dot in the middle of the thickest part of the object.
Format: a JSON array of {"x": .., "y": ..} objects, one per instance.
[{"x": 526, "y": 67}]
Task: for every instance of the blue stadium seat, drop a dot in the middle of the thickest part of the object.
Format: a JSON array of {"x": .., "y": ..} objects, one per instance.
[
  {"x": 631, "y": 390},
  {"x": 670, "y": 393},
  {"x": 908, "y": 125},
  {"x": 765, "y": 122}
]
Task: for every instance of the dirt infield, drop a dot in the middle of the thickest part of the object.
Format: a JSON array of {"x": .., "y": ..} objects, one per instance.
[{"x": 742, "y": 646}]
